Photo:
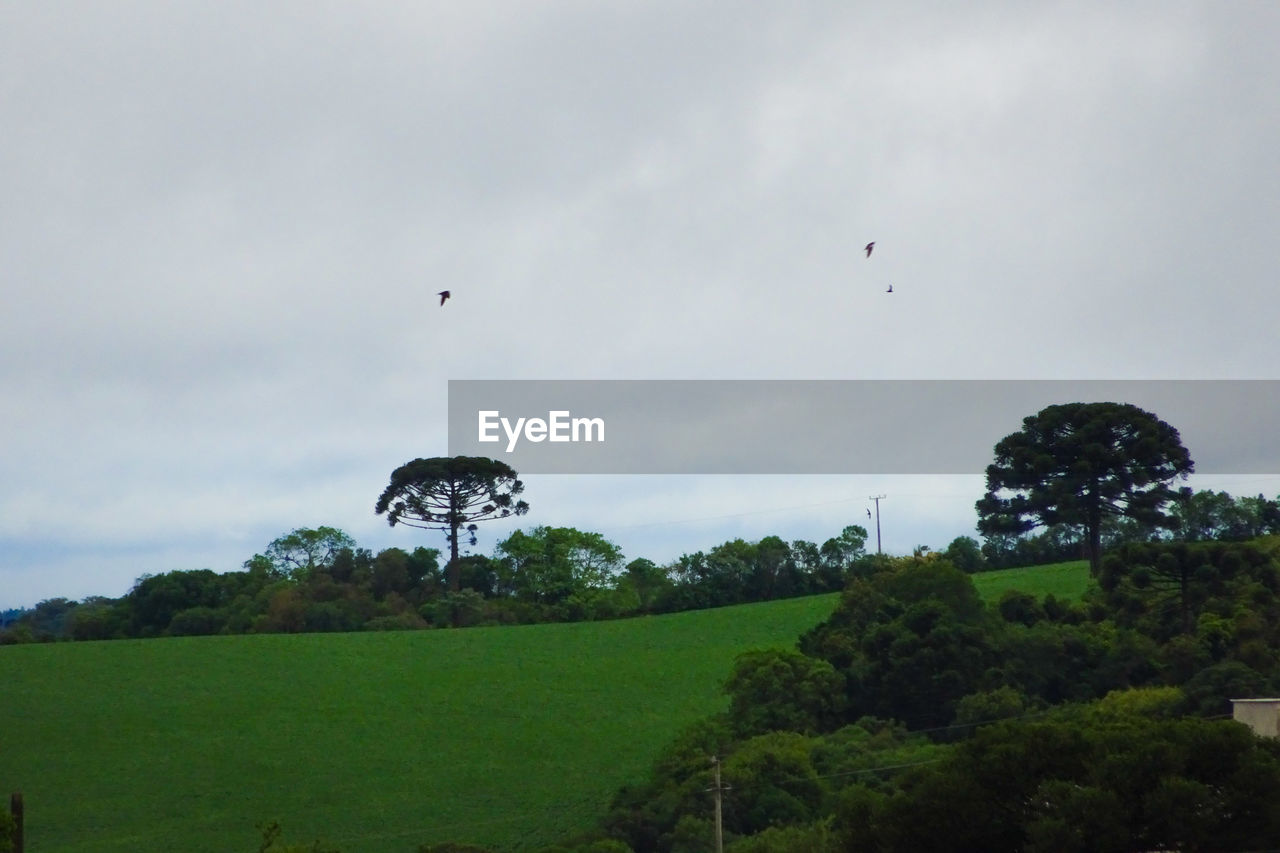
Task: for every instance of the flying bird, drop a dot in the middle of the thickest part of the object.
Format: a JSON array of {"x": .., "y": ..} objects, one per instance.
[
  {"x": 870, "y": 246},
  {"x": 868, "y": 513},
  {"x": 444, "y": 294},
  {"x": 890, "y": 290}
]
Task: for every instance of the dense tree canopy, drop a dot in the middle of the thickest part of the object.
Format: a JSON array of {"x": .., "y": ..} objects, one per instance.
[
  {"x": 1078, "y": 463},
  {"x": 910, "y": 640},
  {"x": 1125, "y": 783}
]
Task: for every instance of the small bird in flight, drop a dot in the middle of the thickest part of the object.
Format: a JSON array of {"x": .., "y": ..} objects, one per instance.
[
  {"x": 870, "y": 246},
  {"x": 890, "y": 290},
  {"x": 868, "y": 513},
  {"x": 444, "y": 294}
]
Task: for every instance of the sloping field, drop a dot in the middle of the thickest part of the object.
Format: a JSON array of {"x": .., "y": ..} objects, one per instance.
[
  {"x": 1067, "y": 581},
  {"x": 1062, "y": 580},
  {"x": 374, "y": 742},
  {"x": 512, "y": 737}
]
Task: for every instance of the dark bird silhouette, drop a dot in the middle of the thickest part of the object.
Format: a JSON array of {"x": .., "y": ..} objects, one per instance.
[
  {"x": 870, "y": 246},
  {"x": 868, "y": 513},
  {"x": 444, "y": 294},
  {"x": 890, "y": 290}
]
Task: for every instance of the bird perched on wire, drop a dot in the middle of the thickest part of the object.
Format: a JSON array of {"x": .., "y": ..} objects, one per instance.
[
  {"x": 890, "y": 290},
  {"x": 869, "y": 247},
  {"x": 444, "y": 294}
]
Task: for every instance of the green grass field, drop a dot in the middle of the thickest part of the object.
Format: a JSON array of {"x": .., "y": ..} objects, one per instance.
[
  {"x": 511, "y": 737},
  {"x": 374, "y": 742},
  {"x": 1063, "y": 580}
]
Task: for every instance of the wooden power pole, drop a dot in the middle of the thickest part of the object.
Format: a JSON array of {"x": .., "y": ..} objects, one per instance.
[{"x": 877, "y": 499}]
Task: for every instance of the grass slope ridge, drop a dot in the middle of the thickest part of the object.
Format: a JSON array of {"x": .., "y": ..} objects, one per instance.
[
  {"x": 1067, "y": 581},
  {"x": 377, "y": 741},
  {"x": 509, "y": 737}
]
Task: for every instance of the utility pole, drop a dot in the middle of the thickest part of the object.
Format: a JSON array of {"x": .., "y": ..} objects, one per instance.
[
  {"x": 877, "y": 499},
  {"x": 715, "y": 765}
]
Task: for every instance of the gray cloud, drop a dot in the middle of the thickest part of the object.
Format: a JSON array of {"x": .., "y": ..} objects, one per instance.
[{"x": 222, "y": 227}]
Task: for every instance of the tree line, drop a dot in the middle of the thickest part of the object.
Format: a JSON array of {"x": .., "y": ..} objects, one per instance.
[
  {"x": 1193, "y": 516},
  {"x": 319, "y": 579},
  {"x": 1089, "y": 476}
]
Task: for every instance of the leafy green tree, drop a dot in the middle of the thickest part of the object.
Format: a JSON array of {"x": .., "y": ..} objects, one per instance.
[
  {"x": 911, "y": 640},
  {"x": 807, "y": 558},
  {"x": 98, "y": 618},
  {"x": 550, "y": 564},
  {"x": 1205, "y": 514},
  {"x": 450, "y": 494},
  {"x": 1122, "y": 784},
  {"x": 196, "y": 621},
  {"x": 479, "y": 574},
  {"x": 1054, "y": 544},
  {"x": 1078, "y": 463},
  {"x": 647, "y": 816},
  {"x": 301, "y": 552},
  {"x": 814, "y": 838},
  {"x": 965, "y": 554},
  {"x": 286, "y": 612},
  {"x": 1165, "y": 589},
  {"x": 1056, "y": 662},
  {"x": 647, "y": 581},
  {"x": 783, "y": 690},
  {"x": 49, "y": 619},
  {"x": 461, "y": 609},
  {"x": 839, "y": 553},
  {"x": 990, "y": 705},
  {"x": 1020, "y": 607},
  {"x": 1261, "y": 516},
  {"x": 1209, "y": 692},
  {"x": 155, "y": 600},
  {"x": 729, "y": 567},
  {"x": 773, "y": 781},
  {"x": 390, "y": 573},
  {"x": 350, "y": 565},
  {"x": 737, "y": 571},
  {"x": 774, "y": 574}
]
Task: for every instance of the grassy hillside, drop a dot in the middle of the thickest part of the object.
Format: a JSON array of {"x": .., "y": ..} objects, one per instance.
[
  {"x": 1064, "y": 580},
  {"x": 375, "y": 742},
  {"x": 511, "y": 737}
]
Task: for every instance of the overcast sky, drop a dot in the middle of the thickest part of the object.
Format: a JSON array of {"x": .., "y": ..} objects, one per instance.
[{"x": 223, "y": 226}]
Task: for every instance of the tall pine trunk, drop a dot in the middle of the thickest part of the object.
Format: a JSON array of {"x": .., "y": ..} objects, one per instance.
[{"x": 1095, "y": 541}]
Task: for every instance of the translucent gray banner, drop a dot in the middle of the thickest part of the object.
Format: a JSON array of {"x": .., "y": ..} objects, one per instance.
[{"x": 828, "y": 426}]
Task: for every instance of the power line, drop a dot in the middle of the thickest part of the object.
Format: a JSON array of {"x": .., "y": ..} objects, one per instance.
[
  {"x": 733, "y": 514},
  {"x": 934, "y": 495}
]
